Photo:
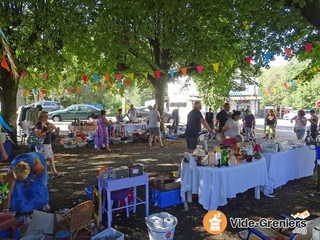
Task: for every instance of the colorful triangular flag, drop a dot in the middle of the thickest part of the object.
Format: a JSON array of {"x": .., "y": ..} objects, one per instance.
[{"x": 199, "y": 68}]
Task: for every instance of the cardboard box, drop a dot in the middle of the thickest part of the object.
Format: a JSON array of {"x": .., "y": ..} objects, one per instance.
[{"x": 109, "y": 233}]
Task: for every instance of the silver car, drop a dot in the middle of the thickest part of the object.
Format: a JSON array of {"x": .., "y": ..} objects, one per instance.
[
  {"x": 49, "y": 105},
  {"x": 144, "y": 112}
]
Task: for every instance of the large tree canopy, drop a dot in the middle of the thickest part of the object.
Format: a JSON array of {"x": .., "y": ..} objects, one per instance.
[{"x": 143, "y": 36}]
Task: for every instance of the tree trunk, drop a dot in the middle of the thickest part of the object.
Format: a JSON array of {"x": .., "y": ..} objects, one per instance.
[
  {"x": 8, "y": 99},
  {"x": 160, "y": 90}
]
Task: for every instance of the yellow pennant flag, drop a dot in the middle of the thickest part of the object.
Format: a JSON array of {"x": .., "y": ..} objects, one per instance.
[
  {"x": 216, "y": 67},
  {"x": 33, "y": 76},
  {"x": 131, "y": 76},
  {"x": 95, "y": 88},
  {"x": 274, "y": 90},
  {"x": 60, "y": 91},
  {"x": 50, "y": 91},
  {"x": 60, "y": 77},
  {"x": 184, "y": 71},
  {"x": 298, "y": 80},
  {"x": 110, "y": 85},
  {"x": 315, "y": 69}
]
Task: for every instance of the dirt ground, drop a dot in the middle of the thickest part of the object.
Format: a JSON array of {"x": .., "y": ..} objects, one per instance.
[{"x": 81, "y": 166}]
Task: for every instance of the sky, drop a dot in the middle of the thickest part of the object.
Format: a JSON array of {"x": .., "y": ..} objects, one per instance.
[{"x": 279, "y": 61}]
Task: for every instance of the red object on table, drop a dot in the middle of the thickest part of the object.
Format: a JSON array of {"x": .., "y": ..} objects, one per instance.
[{"x": 249, "y": 158}]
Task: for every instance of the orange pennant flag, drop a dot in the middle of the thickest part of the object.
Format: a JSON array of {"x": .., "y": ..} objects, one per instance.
[
  {"x": 298, "y": 80},
  {"x": 184, "y": 71},
  {"x": 288, "y": 52},
  {"x": 216, "y": 67},
  {"x": 4, "y": 63},
  {"x": 78, "y": 90},
  {"x": 107, "y": 77}
]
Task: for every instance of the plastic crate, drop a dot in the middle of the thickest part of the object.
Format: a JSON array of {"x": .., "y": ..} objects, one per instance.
[
  {"x": 109, "y": 233},
  {"x": 89, "y": 192},
  {"x": 167, "y": 198}
]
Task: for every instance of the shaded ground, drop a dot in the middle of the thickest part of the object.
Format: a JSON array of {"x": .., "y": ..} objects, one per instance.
[{"x": 81, "y": 166}]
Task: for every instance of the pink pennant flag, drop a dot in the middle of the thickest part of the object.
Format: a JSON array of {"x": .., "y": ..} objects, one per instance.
[
  {"x": 84, "y": 77},
  {"x": 23, "y": 74},
  {"x": 270, "y": 92},
  {"x": 69, "y": 90},
  {"x": 43, "y": 91},
  {"x": 285, "y": 85},
  {"x": 248, "y": 59},
  {"x": 119, "y": 77},
  {"x": 199, "y": 68},
  {"x": 22, "y": 91},
  {"x": 288, "y": 52},
  {"x": 45, "y": 77},
  {"x": 102, "y": 87},
  {"x": 308, "y": 47},
  {"x": 157, "y": 74},
  {"x": 184, "y": 71}
]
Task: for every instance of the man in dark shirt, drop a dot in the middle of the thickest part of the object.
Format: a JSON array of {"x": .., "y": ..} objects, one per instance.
[
  {"x": 194, "y": 121},
  {"x": 209, "y": 118},
  {"x": 222, "y": 117}
]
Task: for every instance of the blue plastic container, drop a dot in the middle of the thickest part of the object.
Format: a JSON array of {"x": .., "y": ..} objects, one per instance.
[
  {"x": 89, "y": 192},
  {"x": 167, "y": 198},
  {"x": 318, "y": 152}
]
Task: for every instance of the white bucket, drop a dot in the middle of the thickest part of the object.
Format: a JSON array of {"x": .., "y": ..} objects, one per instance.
[{"x": 166, "y": 233}]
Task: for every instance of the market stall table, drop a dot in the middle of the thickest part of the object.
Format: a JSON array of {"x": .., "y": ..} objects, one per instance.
[
  {"x": 130, "y": 127},
  {"x": 84, "y": 129},
  {"x": 288, "y": 165},
  {"x": 214, "y": 185},
  {"x": 110, "y": 185}
]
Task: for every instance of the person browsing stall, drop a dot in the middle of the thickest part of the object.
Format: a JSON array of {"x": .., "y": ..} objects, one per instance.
[
  {"x": 194, "y": 121},
  {"x": 300, "y": 124},
  {"x": 119, "y": 116},
  {"x": 222, "y": 118},
  {"x": 45, "y": 128},
  {"x": 232, "y": 126},
  {"x": 27, "y": 180},
  {"x": 154, "y": 126},
  {"x": 313, "y": 124},
  {"x": 132, "y": 113}
]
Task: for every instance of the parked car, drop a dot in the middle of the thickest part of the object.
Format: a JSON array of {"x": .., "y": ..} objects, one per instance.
[
  {"x": 80, "y": 111},
  {"x": 97, "y": 105},
  {"x": 49, "y": 105},
  {"x": 293, "y": 113},
  {"x": 144, "y": 112}
]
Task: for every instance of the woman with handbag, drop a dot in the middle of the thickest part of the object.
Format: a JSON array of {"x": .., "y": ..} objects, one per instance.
[{"x": 44, "y": 128}]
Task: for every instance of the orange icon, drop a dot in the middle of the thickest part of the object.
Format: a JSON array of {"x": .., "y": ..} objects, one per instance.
[{"x": 215, "y": 222}]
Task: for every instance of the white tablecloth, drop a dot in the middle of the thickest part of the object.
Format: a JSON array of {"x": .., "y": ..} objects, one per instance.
[
  {"x": 288, "y": 165},
  {"x": 130, "y": 127},
  {"x": 214, "y": 185}
]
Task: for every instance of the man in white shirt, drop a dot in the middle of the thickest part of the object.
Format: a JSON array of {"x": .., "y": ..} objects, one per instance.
[{"x": 154, "y": 126}]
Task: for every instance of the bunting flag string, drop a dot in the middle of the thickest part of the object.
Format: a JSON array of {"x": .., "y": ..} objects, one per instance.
[{"x": 157, "y": 73}]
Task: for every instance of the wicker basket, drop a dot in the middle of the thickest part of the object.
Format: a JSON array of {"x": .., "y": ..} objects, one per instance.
[{"x": 165, "y": 185}]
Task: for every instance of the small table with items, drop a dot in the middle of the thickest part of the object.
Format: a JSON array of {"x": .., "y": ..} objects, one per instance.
[
  {"x": 83, "y": 129},
  {"x": 107, "y": 185}
]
